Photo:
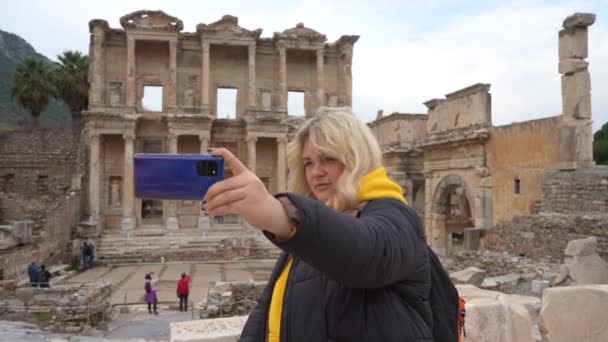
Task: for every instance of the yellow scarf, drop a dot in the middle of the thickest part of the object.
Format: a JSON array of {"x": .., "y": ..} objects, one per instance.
[{"x": 373, "y": 185}]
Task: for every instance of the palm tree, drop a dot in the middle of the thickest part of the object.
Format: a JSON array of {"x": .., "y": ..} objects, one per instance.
[
  {"x": 71, "y": 81},
  {"x": 32, "y": 87}
]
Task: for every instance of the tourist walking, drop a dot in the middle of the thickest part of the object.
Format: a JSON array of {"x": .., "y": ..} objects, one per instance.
[
  {"x": 44, "y": 277},
  {"x": 183, "y": 290},
  {"x": 150, "y": 288},
  {"x": 355, "y": 264},
  {"x": 32, "y": 273}
]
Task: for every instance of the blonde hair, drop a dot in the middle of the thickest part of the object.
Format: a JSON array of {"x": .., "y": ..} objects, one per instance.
[{"x": 337, "y": 133}]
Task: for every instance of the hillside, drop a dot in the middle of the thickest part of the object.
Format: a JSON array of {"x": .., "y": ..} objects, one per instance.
[{"x": 13, "y": 49}]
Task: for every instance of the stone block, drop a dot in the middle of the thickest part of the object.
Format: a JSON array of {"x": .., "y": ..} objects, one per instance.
[
  {"x": 569, "y": 66},
  {"x": 471, "y": 275},
  {"x": 208, "y": 330},
  {"x": 590, "y": 269},
  {"x": 579, "y": 20},
  {"x": 581, "y": 247},
  {"x": 573, "y": 43},
  {"x": 576, "y": 95},
  {"x": 574, "y": 313},
  {"x": 493, "y": 316}
]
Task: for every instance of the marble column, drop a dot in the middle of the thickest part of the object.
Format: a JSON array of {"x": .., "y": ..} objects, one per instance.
[
  {"x": 205, "y": 75},
  {"x": 98, "y": 63},
  {"x": 128, "y": 218},
  {"x": 346, "y": 71},
  {"x": 428, "y": 205},
  {"x": 251, "y": 153},
  {"x": 282, "y": 79},
  {"x": 172, "y": 221},
  {"x": 131, "y": 73},
  {"x": 252, "y": 89},
  {"x": 281, "y": 164},
  {"x": 172, "y": 89},
  {"x": 320, "y": 79},
  {"x": 203, "y": 220},
  {"x": 94, "y": 178}
]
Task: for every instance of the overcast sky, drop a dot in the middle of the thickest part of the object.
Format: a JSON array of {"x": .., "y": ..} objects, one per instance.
[{"x": 408, "y": 53}]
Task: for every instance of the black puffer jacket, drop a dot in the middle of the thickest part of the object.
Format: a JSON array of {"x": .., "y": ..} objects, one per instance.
[{"x": 363, "y": 278}]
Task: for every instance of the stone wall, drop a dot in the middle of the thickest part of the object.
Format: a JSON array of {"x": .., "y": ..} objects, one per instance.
[
  {"x": 578, "y": 192},
  {"x": 574, "y": 205},
  {"x": 40, "y": 180},
  {"x": 69, "y": 307},
  {"x": 510, "y": 160},
  {"x": 546, "y": 235}
]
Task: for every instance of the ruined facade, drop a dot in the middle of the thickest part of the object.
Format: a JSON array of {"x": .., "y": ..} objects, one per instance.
[
  {"x": 460, "y": 172},
  {"x": 151, "y": 51}
]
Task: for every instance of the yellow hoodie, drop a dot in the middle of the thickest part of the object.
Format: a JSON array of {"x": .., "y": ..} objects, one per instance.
[{"x": 373, "y": 185}]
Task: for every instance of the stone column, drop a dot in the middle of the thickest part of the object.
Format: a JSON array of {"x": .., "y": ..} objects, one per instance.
[
  {"x": 94, "y": 178},
  {"x": 128, "y": 219},
  {"x": 252, "y": 89},
  {"x": 320, "y": 79},
  {"x": 203, "y": 220},
  {"x": 172, "y": 89},
  {"x": 131, "y": 73},
  {"x": 281, "y": 164},
  {"x": 346, "y": 60},
  {"x": 576, "y": 134},
  {"x": 251, "y": 140},
  {"x": 98, "y": 63},
  {"x": 282, "y": 79},
  {"x": 205, "y": 75},
  {"x": 428, "y": 204},
  {"x": 172, "y": 221}
]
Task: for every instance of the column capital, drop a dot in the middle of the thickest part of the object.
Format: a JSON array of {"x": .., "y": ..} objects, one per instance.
[
  {"x": 251, "y": 47},
  {"x": 203, "y": 137},
  {"x": 93, "y": 134},
  {"x": 205, "y": 46},
  {"x": 172, "y": 135},
  {"x": 320, "y": 52},
  {"x": 128, "y": 136},
  {"x": 282, "y": 140},
  {"x": 251, "y": 139}
]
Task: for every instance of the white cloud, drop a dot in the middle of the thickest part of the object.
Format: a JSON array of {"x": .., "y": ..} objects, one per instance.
[
  {"x": 407, "y": 54},
  {"x": 513, "y": 47}
]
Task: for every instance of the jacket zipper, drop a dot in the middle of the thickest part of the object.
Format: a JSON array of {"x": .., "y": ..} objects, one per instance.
[{"x": 285, "y": 319}]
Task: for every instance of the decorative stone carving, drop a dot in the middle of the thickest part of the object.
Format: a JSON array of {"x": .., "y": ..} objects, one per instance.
[
  {"x": 228, "y": 24},
  {"x": 115, "y": 186},
  {"x": 266, "y": 101},
  {"x": 189, "y": 97},
  {"x": 115, "y": 93},
  {"x": 156, "y": 20}
]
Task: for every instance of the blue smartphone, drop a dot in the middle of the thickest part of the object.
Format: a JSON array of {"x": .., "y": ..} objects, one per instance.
[{"x": 176, "y": 176}]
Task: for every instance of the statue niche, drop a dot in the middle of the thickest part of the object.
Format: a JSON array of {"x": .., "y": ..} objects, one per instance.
[{"x": 115, "y": 187}]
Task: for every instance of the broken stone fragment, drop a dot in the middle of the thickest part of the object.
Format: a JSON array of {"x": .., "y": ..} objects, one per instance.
[{"x": 579, "y": 20}]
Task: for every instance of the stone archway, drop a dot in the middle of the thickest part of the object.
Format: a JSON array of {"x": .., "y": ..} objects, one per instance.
[{"x": 450, "y": 214}]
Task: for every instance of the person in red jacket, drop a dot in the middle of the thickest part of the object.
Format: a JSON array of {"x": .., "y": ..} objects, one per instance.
[{"x": 183, "y": 290}]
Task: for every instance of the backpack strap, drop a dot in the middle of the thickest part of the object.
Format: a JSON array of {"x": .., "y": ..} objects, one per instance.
[{"x": 461, "y": 316}]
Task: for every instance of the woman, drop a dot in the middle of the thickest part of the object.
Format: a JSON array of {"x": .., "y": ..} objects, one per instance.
[
  {"x": 355, "y": 265},
  {"x": 183, "y": 290},
  {"x": 150, "y": 287}
]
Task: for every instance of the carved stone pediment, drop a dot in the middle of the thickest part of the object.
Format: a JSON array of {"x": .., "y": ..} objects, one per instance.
[
  {"x": 300, "y": 32},
  {"x": 151, "y": 20},
  {"x": 229, "y": 24}
]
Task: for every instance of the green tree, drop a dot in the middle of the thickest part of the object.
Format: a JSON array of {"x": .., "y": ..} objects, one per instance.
[
  {"x": 71, "y": 81},
  {"x": 600, "y": 145},
  {"x": 32, "y": 86}
]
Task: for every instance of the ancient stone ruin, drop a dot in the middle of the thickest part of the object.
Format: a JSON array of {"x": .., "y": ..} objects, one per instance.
[{"x": 505, "y": 201}]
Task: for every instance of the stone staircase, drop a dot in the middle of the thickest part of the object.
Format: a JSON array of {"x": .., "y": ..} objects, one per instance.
[{"x": 155, "y": 244}]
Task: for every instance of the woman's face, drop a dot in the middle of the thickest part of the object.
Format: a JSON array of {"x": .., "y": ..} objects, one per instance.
[{"x": 322, "y": 172}]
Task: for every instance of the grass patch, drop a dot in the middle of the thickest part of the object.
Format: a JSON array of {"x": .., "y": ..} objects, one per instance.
[{"x": 41, "y": 317}]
